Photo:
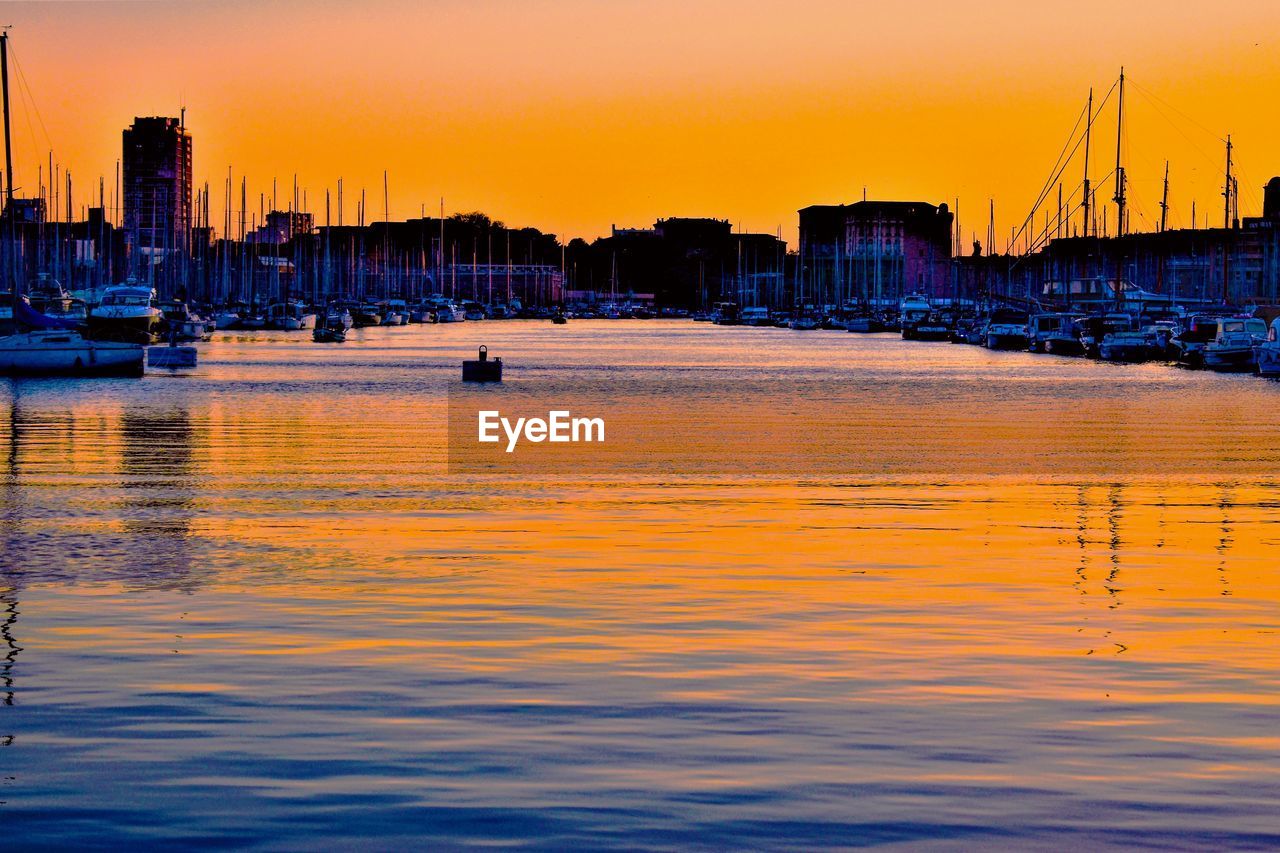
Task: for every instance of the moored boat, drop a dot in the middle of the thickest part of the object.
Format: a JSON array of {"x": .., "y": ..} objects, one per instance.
[
  {"x": 1131, "y": 346},
  {"x": 912, "y": 311},
  {"x": 49, "y": 297},
  {"x": 1267, "y": 353},
  {"x": 1007, "y": 329},
  {"x": 864, "y": 323},
  {"x": 329, "y": 334},
  {"x": 367, "y": 314},
  {"x": 1233, "y": 351},
  {"x": 447, "y": 312},
  {"x": 932, "y": 328},
  {"x": 1203, "y": 330},
  {"x": 57, "y": 352},
  {"x": 420, "y": 312},
  {"x": 228, "y": 318},
  {"x": 289, "y": 316},
  {"x": 181, "y": 323},
  {"x": 126, "y": 313}
]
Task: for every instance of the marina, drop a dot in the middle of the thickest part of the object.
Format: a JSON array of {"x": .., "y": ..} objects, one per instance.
[{"x": 593, "y": 426}]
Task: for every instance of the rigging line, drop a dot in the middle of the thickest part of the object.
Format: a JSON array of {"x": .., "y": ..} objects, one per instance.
[
  {"x": 1048, "y": 187},
  {"x": 26, "y": 115},
  {"x": 1044, "y": 193},
  {"x": 1144, "y": 90},
  {"x": 22, "y": 81},
  {"x": 1043, "y": 240},
  {"x": 1252, "y": 195},
  {"x": 1039, "y": 243},
  {"x": 1209, "y": 158}
]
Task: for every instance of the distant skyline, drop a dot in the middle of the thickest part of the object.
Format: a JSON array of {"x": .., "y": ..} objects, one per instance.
[{"x": 574, "y": 115}]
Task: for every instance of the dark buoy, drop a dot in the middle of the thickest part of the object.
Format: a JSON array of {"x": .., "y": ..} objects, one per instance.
[{"x": 482, "y": 370}]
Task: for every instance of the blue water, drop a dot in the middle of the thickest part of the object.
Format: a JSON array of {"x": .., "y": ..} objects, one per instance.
[{"x": 251, "y": 606}]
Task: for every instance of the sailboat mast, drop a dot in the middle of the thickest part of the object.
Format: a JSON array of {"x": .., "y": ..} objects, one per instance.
[
  {"x": 1226, "y": 225},
  {"x": 8, "y": 143},
  {"x": 1088, "y": 128},
  {"x": 1164, "y": 199},
  {"x": 1226, "y": 189},
  {"x": 1119, "y": 199}
]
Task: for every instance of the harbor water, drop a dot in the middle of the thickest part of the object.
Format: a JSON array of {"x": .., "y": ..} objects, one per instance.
[{"x": 969, "y": 598}]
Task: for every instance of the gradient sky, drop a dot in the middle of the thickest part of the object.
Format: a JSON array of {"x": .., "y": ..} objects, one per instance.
[{"x": 573, "y": 115}]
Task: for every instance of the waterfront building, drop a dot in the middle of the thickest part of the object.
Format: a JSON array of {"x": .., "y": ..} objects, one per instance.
[
  {"x": 281, "y": 226},
  {"x": 156, "y": 162},
  {"x": 873, "y": 250},
  {"x": 685, "y": 261}
]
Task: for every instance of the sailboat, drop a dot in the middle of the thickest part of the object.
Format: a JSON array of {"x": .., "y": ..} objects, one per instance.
[
  {"x": 45, "y": 345},
  {"x": 49, "y": 346}
]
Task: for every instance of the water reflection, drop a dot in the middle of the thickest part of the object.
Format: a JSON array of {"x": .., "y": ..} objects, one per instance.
[
  {"x": 261, "y": 579},
  {"x": 158, "y": 488},
  {"x": 8, "y": 618}
]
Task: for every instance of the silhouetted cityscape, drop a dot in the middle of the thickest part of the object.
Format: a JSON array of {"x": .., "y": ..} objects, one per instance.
[{"x": 162, "y": 231}]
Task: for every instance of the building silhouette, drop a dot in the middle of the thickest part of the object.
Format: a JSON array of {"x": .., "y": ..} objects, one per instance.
[
  {"x": 872, "y": 250},
  {"x": 157, "y": 189}
]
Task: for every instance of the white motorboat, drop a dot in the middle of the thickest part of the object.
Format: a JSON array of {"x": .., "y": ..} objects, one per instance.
[
  {"x": 55, "y": 352},
  {"x": 183, "y": 324},
  {"x": 1055, "y": 334},
  {"x": 912, "y": 310},
  {"x": 289, "y": 316},
  {"x": 338, "y": 317},
  {"x": 1131, "y": 346},
  {"x": 1233, "y": 349},
  {"x": 447, "y": 312},
  {"x": 395, "y": 313},
  {"x": 126, "y": 313},
  {"x": 1007, "y": 329}
]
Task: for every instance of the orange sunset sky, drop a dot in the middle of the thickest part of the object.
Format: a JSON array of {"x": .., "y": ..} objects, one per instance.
[{"x": 572, "y": 115}]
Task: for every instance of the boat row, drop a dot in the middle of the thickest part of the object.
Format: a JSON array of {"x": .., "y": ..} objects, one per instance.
[{"x": 1225, "y": 340}]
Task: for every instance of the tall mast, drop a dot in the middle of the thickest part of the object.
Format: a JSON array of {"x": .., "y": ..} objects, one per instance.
[
  {"x": 1226, "y": 189},
  {"x": 1119, "y": 199},
  {"x": 1226, "y": 224},
  {"x": 1164, "y": 199},
  {"x": 1088, "y": 127},
  {"x": 8, "y": 144}
]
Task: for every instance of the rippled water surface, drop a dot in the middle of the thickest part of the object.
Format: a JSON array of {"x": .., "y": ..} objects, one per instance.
[{"x": 967, "y": 599}]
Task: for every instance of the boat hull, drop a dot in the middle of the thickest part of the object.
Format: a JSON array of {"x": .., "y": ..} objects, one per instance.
[
  {"x": 68, "y": 354},
  {"x": 1006, "y": 341},
  {"x": 1063, "y": 346},
  {"x": 932, "y": 333},
  {"x": 1269, "y": 360},
  {"x": 128, "y": 329},
  {"x": 864, "y": 325},
  {"x": 1230, "y": 361},
  {"x": 1128, "y": 353}
]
